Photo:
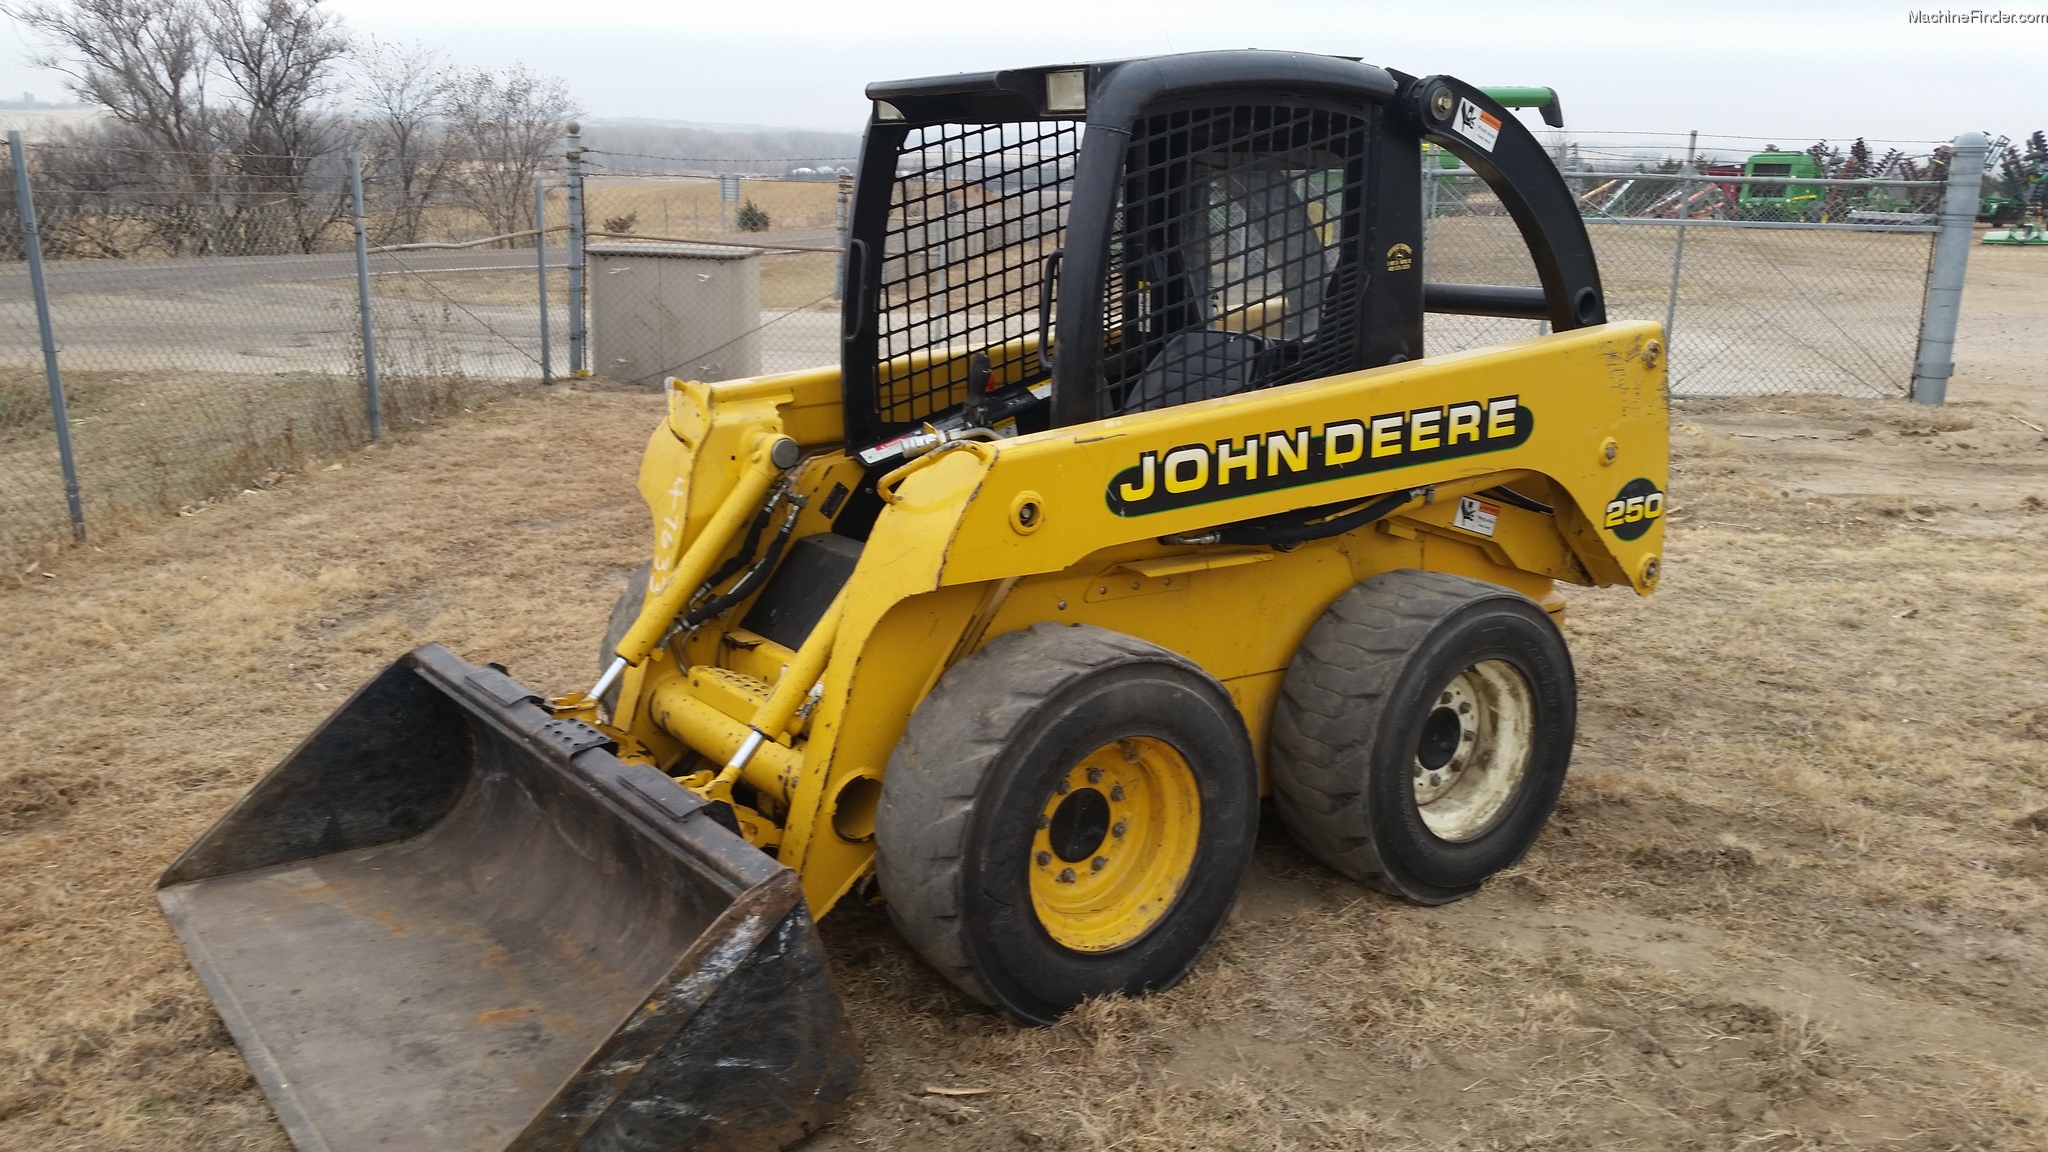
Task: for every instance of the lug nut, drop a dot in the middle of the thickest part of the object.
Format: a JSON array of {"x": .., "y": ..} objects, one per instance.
[
  {"x": 1099, "y": 863},
  {"x": 1061, "y": 788},
  {"x": 1116, "y": 793},
  {"x": 1094, "y": 775},
  {"x": 1066, "y": 875},
  {"x": 1044, "y": 858},
  {"x": 1119, "y": 828}
]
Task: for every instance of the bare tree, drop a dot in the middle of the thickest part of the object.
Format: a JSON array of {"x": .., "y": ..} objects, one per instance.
[
  {"x": 225, "y": 126},
  {"x": 280, "y": 57},
  {"x": 506, "y": 126},
  {"x": 147, "y": 63},
  {"x": 401, "y": 93}
]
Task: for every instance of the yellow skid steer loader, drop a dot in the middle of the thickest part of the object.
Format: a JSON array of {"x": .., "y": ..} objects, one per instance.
[{"x": 1133, "y": 499}]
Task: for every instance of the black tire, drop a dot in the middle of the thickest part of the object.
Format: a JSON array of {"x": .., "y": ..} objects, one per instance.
[
  {"x": 971, "y": 787},
  {"x": 1367, "y": 708},
  {"x": 625, "y": 610}
]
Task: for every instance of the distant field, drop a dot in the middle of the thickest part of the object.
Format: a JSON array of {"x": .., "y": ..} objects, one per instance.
[{"x": 680, "y": 207}]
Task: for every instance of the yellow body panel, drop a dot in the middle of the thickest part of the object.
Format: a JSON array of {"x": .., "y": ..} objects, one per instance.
[{"x": 1067, "y": 525}]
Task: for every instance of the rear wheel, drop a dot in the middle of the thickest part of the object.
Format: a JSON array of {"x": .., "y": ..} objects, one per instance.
[
  {"x": 1069, "y": 814},
  {"x": 1423, "y": 732}
]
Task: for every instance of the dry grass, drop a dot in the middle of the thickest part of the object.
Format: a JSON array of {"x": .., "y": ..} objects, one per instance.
[
  {"x": 1796, "y": 895},
  {"x": 157, "y": 443}
]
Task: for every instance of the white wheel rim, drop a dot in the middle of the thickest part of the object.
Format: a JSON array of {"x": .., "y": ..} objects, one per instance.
[{"x": 1472, "y": 750}]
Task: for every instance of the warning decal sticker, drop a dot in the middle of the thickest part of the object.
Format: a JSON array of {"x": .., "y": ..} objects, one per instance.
[
  {"x": 1478, "y": 125},
  {"x": 1476, "y": 515}
]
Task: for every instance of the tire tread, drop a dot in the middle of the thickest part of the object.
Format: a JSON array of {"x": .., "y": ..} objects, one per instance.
[
  {"x": 948, "y": 748},
  {"x": 1347, "y": 665}
]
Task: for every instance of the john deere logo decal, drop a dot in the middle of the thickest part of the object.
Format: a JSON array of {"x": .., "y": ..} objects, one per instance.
[
  {"x": 1638, "y": 505},
  {"x": 1194, "y": 474}
]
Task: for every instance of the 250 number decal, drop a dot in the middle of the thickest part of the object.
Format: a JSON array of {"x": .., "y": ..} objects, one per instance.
[{"x": 1630, "y": 514}]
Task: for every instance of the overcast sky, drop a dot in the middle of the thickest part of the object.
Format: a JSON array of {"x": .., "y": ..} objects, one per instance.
[{"x": 1793, "y": 70}]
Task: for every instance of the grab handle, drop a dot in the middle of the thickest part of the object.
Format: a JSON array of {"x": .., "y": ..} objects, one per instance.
[
  {"x": 855, "y": 289},
  {"x": 1048, "y": 285}
]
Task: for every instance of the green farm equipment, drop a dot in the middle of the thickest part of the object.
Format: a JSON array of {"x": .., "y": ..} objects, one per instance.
[
  {"x": 2019, "y": 211},
  {"x": 2029, "y": 235},
  {"x": 1779, "y": 201}
]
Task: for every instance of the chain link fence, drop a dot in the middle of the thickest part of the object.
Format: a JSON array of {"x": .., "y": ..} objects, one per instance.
[
  {"x": 1768, "y": 283},
  {"x": 209, "y": 349},
  {"x": 205, "y": 350}
]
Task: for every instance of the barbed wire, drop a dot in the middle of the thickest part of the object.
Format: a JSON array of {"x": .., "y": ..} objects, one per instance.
[
  {"x": 610, "y": 173},
  {"x": 1568, "y": 133},
  {"x": 198, "y": 153},
  {"x": 717, "y": 159}
]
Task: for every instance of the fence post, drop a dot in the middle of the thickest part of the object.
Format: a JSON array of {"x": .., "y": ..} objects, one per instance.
[
  {"x": 1431, "y": 172},
  {"x": 576, "y": 368},
  {"x": 373, "y": 399},
  {"x": 1678, "y": 250},
  {"x": 540, "y": 260},
  {"x": 728, "y": 194},
  {"x": 845, "y": 213},
  {"x": 1944, "y": 300},
  {"x": 60, "y": 415}
]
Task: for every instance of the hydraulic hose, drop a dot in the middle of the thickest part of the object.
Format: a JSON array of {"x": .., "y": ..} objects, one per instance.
[
  {"x": 772, "y": 455},
  {"x": 755, "y": 577},
  {"x": 1300, "y": 527}
]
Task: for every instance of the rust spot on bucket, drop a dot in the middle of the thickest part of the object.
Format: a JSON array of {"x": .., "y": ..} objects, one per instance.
[{"x": 503, "y": 1016}]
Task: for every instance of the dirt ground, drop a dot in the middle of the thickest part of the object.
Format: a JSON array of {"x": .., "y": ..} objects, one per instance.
[{"x": 1795, "y": 896}]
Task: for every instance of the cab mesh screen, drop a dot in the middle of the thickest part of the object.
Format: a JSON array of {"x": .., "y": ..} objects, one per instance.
[
  {"x": 1235, "y": 261},
  {"x": 974, "y": 212}
]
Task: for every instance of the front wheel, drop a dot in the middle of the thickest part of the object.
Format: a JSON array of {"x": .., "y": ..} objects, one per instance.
[
  {"x": 1069, "y": 814},
  {"x": 1422, "y": 733}
]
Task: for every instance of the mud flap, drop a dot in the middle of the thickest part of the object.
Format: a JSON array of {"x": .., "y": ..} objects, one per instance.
[{"x": 451, "y": 921}]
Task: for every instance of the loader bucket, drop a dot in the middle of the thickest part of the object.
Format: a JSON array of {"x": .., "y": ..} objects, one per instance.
[{"x": 451, "y": 921}]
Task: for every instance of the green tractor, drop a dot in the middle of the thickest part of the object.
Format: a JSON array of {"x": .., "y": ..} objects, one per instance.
[{"x": 1779, "y": 201}]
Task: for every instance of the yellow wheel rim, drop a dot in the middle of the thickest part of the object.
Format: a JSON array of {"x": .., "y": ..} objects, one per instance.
[{"x": 1115, "y": 844}]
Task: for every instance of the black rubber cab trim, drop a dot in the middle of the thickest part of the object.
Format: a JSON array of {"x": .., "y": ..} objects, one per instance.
[{"x": 1526, "y": 179}]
